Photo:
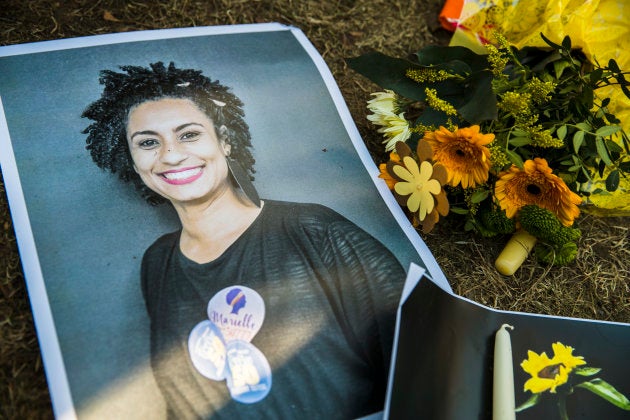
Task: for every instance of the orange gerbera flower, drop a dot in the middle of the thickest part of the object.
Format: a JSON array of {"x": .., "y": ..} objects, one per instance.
[
  {"x": 393, "y": 157},
  {"x": 463, "y": 154},
  {"x": 536, "y": 184}
]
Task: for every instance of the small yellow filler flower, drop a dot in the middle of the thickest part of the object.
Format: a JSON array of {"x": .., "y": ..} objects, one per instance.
[
  {"x": 548, "y": 374},
  {"x": 536, "y": 184},
  {"x": 463, "y": 153}
]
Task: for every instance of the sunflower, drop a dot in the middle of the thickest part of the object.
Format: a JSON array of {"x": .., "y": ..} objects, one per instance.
[
  {"x": 548, "y": 374},
  {"x": 394, "y": 126},
  {"x": 463, "y": 153},
  {"x": 536, "y": 184}
]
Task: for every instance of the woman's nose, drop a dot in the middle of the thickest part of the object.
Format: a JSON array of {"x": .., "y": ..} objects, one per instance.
[{"x": 172, "y": 154}]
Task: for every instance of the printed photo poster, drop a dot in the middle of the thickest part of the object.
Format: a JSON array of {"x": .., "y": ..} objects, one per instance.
[
  {"x": 82, "y": 232},
  {"x": 443, "y": 362}
]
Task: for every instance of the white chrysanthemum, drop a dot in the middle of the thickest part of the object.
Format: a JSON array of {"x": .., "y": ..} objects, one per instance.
[
  {"x": 383, "y": 103},
  {"x": 397, "y": 129},
  {"x": 394, "y": 127}
]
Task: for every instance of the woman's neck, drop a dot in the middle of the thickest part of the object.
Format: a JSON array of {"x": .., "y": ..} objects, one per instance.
[{"x": 209, "y": 228}]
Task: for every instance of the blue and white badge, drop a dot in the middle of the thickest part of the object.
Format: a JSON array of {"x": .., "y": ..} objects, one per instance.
[
  {"x": 238, "y": 311},
  {"x": 220, "y": 348},
  {"x": 249, "y": 373},
  {"x": 207, "y": 350}
]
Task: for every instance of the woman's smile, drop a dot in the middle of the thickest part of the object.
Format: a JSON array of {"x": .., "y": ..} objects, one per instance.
[{"x": 182, "y": 176}]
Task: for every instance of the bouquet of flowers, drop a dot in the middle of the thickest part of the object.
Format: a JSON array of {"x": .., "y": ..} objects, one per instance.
[{"x": 510, "y": 140}]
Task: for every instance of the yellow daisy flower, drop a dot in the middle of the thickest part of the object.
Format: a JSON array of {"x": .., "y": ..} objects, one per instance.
[
  {"x": 548, "y": 374},
  {"x": 418, "y": 185},
  {"x": 536, "y": 184},
  {"x": 463, "y": 153}
]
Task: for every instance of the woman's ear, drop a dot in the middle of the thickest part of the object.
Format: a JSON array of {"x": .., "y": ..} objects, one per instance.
[
  {"x": 227, "y": 148},
  {"x": 222, "y": 133},
  {"x": 224, "y": 140}
]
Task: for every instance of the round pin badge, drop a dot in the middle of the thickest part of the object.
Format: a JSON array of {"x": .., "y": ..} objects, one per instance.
[
  {"x": 207, "y": 350},
  {"x": 238, "y": 311},
  {"x": 248, "y": 372}
]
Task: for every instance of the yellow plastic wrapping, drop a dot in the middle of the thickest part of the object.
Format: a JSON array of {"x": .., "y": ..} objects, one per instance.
[{"x": 600, "y": 28}]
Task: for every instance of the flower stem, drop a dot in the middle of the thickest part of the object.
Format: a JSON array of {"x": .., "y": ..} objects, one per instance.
[{"x": 562, "y": 407}]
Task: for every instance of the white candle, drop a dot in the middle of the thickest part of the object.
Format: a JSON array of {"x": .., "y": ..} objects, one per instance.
[
  {"x": 515, "y": 252},
  {"x": 503, "y": 381}
]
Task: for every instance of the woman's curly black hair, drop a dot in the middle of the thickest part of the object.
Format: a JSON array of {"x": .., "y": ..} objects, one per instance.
[{"x": 107, "y": 138}]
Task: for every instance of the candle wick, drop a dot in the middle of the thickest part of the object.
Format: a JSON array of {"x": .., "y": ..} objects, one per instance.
[{"x": 506, "y": 326}]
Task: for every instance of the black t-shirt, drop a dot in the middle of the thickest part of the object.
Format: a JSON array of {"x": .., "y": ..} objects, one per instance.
[{"x": 330, "y": 292}]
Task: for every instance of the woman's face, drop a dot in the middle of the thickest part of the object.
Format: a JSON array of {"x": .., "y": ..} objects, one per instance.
[{"x": 176, "y": 150}]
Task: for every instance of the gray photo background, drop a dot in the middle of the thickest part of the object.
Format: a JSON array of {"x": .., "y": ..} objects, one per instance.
[{"x": 91, "y": 230}]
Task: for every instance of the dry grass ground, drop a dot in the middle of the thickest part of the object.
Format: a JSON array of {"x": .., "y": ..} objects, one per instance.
[{"x": 596, "y": 286}]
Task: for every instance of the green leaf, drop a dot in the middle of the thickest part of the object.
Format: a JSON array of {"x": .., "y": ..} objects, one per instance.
[
  {"x": 433, "y": 117},
  {"x": 532, "y": 401},
  {"x": 520, "y": 141},
  {"x": 613, "y": 146},
  {"x": 480, "y": 102},
  {"x": 601, "y": 167},
  {"x": 578, "y": 140},
  {"x": 559, "y": 67},
  {"x": 612, "y": 64},
  {"x": 602, "y": 151},
  {"x": 519, "y": 133},
  {"x": 458, "y": 210},
  {"x": 608, "y": 392},
  {"x": 607, "y": 130},
  {"x": 562, "y": 132},
  {"x": 587, "y": 371},
  {"x": 596, "y": 75},
  {"x": 566, "y": 43},
  {"x": 389, "y": 73},
  {"x": 548, "y": 41},
  {"x": 434, "y": 55},
  {"x": 612, "y": 181},
  {"x": 586, "y": 174},
  {"x": 479, "y": 196},
  {"x": 584, "y": 126},
  {"x": 515, "y": 158}
]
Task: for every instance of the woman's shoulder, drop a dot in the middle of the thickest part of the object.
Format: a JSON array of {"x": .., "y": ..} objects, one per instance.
[
  {"x": 302, "y": 213},
  {"x": 311, "y": 218}
]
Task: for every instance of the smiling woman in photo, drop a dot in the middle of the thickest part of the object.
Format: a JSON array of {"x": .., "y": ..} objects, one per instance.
[{"x": 258, "y": 308}]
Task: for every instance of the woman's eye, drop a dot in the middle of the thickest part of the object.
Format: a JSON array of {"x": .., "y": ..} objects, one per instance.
[
  {"x": 148, "y": 143},
  {"x": 189, "y": 136}
]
